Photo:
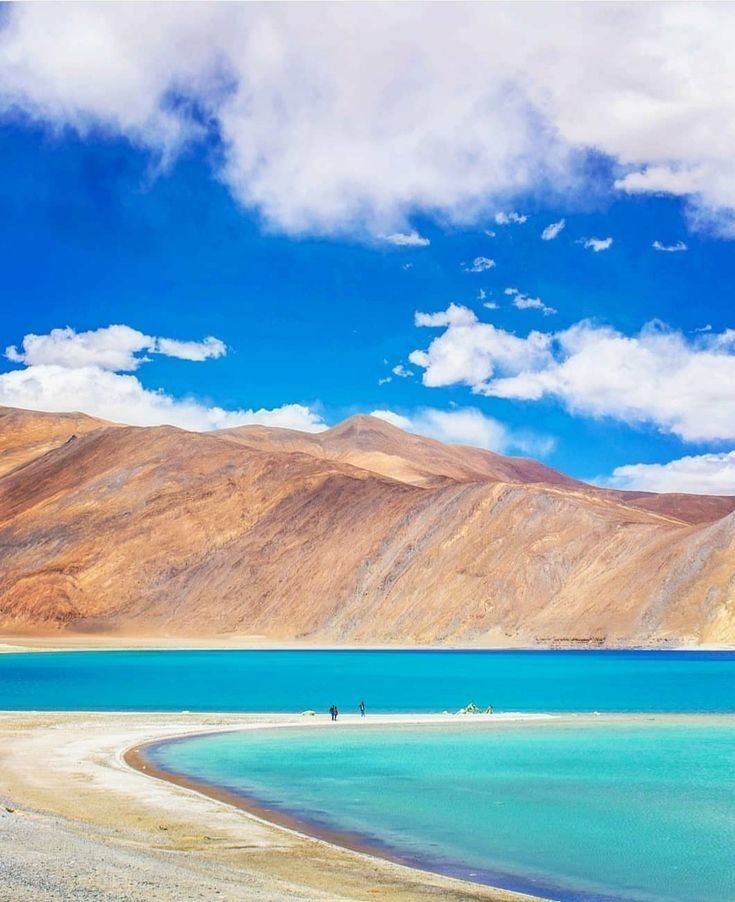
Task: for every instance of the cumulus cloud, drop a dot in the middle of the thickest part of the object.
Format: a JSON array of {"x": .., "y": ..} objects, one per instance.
[
  {"x": 401, "y": 371},
  {"x": 707, "y": 474},
  {"x": 679, "y": 384},
  {"x": 596, "y": 244},
  {"x": 384, "y": 111},
  {"x": 92, "y": 372},
  {"x": 524, "y": 302},
  {"x": 669, "y": 248},
  {"x": 470, "y": 352},
  {"x": 480, "y": 264},
  {"x": 466, "y": 426},
  {"x": 508, "y": 218},
  {"x": 407, "y": 239},
  {"x": 116, "y": 348},
  {"x": 552, "y": 230}
]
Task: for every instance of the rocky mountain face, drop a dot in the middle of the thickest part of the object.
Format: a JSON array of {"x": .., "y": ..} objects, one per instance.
[{"x": 362, "y": 534}]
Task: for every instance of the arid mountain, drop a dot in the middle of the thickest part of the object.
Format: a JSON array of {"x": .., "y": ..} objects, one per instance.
[
  {"x": 375, "y": 445},
  {"x": 372, "y": 444},
  {"x": 25, "y": 435},
  {"x": 360, "y": 534}
]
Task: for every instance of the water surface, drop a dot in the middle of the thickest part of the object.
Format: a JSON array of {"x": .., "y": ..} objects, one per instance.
[
  {"x": 389, "y": 681},
  {"x": 590, "y": 811}
]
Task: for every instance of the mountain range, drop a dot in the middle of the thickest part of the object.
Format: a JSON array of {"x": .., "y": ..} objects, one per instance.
[{"x": 362, "y": 534}]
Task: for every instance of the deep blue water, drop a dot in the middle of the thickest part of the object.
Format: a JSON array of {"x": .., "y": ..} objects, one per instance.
[{"x": 389, "y": 681}]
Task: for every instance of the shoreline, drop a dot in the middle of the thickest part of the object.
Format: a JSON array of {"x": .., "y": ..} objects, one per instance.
[
  {"x": 70, "y": 805},
  {"x": 137, "y": 758},
  {"x": 53, "y": 644},
  {"x": 74, "y": 816}
]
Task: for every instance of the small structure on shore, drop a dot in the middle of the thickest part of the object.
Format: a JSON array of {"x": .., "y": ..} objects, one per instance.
[{"x": 473, "y": 709}]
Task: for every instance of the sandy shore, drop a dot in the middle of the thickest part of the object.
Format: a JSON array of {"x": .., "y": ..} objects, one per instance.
[
  {"x": 87, "y": 642},
  {"x": 77, "y": 821}
]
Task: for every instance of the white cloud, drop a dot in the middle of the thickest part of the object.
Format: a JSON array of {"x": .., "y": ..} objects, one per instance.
[
  {"x": 115, "y": 348},
  {"x": 661, "y": 180},
  {"x": 401, "y": 371},
  {"x": 490, "y": 233},
  {"x": 484, "y": 297},
  {"x": 680, "y": 385},
  {"x": 524, "y": 302},
  {"x": 669, "y": 248},
  {"x": 707, "y": 474},
  {"x": 480, "y": 264},
  {"x": 407, "y": 239},
  {"x": 596, "y": 244},
  {"x": 208, "y": 349},
  {"x": 91, "y": 372},
  {"x": 466, "y": 426},
  {"x": 552, "y": 231},
  {"x": 381, "y": 112},
  {"x": 470, "y": 352},
  {"x": 508, "y": 218},
  {"x": 385, "y": 380}
]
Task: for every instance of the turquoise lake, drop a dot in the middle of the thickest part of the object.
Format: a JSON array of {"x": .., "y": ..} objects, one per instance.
[
  {"x": 642, "y": 811},
  {"x": 389, "y": 681}
]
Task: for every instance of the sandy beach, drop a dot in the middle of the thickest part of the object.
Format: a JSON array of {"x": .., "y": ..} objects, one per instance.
[
  {"x": 77, "y": 821},
  {"x": 89, "y": 642}
]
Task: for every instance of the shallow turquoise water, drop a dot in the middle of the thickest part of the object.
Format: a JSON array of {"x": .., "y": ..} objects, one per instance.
[
  {"x": 387, "y": 680},
  {"x": 633, "y": 811}
]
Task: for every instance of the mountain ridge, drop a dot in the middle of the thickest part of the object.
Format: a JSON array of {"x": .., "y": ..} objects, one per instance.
[{"x": 361, "y": 534}]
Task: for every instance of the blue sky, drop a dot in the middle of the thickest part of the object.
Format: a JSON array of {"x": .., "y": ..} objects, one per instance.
[{"x": 311, "y": 278}]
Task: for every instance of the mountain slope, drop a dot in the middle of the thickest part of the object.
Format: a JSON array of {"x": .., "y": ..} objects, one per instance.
[
  {"x": 25, "y": 435},
  {"x": 289, "y": 536},
  {"x": 373, "y": 444},
  {"x": 377, "y": 446}
]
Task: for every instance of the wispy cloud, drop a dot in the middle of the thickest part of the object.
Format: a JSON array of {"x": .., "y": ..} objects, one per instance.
[
  {"x": 524, "y": 302},
  {"x": 669, "y": 248},
  {"x": 480, "y": 264},
  {"x": 552, "y": 231},
  {"x": 596, "y": 244},
  {"x": 484, "y": 297},
  {"x": 508, "y": 218},
  {"x": 407, "y": 239}
]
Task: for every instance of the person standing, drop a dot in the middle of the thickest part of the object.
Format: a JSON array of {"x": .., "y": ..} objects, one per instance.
[
  {"x": 361, "y": 706},
  {"x": 333, "y": 712}
]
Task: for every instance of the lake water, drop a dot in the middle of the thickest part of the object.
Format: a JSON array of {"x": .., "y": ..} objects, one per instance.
[
  {"x": 389, "y": 681},
  {"x": 581, "y": 812}
]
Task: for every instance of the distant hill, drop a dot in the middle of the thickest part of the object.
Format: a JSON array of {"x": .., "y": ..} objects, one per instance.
[{"x": 359, "y": 534}]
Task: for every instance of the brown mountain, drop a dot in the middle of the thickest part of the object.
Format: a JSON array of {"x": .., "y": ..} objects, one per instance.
[{"x": 360, "y": 534}]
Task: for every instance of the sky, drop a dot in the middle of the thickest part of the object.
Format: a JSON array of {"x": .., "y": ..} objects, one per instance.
[{"x": 510, "y": 226}]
